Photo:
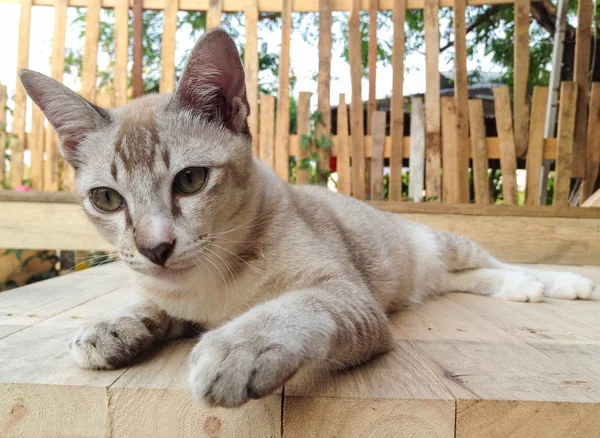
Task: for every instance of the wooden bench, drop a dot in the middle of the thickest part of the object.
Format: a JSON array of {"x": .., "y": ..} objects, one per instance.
[{"x": 463, "y": 365}]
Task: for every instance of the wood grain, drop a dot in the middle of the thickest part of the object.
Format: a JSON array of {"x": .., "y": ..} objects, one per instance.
[
  {"x": 90, "y": 51},
  {"x": 356, "y": 106},
  {"x": 344, "y": 185},
  {"x": 479, "y": 151},
  {"x": 535, "y": 150},
  {"x": 451, "y": 182},
  {"x": 461, "y": 95},
  {"x": 581, "y": 69},
  {"x": 372, "y": 63},
  {"x": 267, "y": 130},
  {"x": 566, "y": 131},
  {"x": 521, "y": 76},
  {"x": 36, "y": 148},
  {"x": 136, "y": 76},
  {"x": 376, "y": 171},
  {"x": 593, "y": 143},
  {"x": 433, "y": 142},
  {"x": 17, "y": 141},
  {"x": 417, "y": 149},
  {"x": 251, "y": 68},
  {"x": 3, "y": 97},
  {"x": 282, "y": 129},
  {"x": 121, "y": 55},
  {"x": 397, "y": 102},
  {"x": 167, "y": 53},
  {"x": 508, "y": 161},
  {"x": 303, "y": 130},
  {"x": 213, "y": 16},
  {"x": 324, "y": 80}
]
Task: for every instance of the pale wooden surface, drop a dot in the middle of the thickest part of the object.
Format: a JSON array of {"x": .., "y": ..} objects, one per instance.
[
  {"x": 416, "y": 182},
  {"x": 167, "y": 54},
  {"x": 251, "y": 68},
  {"x": 282, "y": 127},
  {"x": 267, "y": 130},
  {"x": 521, "y": 75},
  {"x": 376, "y": 171},
  {"x": 90, "y": 53},
  {"x": 344, "y": 184},
  {"x": 508, "y": 160},
  {"x": 462, "y": 365},
  {"x": 303, "y": 128},
  {"x": 324, "y": 80},
  {"x": 397, "y": 102},
  {"x": 564, "y": 153},
  {"x": 479, "y": 152},
  {"x": 593, "y": 144},
  {"x": 535, "y": 150},
  {"x": 451, "y": 175}
]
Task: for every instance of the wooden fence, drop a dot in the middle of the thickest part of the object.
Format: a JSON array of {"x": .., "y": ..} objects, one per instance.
[{"x": 446, "y": 131}]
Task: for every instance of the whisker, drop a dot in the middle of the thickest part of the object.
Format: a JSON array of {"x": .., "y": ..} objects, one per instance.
[{"x": 235, "y": 255}]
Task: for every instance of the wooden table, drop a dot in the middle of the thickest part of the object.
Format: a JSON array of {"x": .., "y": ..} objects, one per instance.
[{"x": 463, "y": 366}]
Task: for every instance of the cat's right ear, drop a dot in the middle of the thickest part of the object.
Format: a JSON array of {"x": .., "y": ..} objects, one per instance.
[{"x": 72, "y": 117}]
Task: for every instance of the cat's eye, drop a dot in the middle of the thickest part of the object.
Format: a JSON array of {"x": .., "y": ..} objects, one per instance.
[
  {"x": 106, "y": 199},
  {"x": 190, "y": 180}
]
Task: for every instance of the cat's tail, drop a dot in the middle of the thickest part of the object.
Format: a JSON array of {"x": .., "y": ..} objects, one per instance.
[{"x": 459, "y": 253}]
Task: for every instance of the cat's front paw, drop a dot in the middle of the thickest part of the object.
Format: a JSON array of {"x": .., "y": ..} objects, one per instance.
[
  {"x": 228, "y": 369},
  {"x": 112, "y": 343}
]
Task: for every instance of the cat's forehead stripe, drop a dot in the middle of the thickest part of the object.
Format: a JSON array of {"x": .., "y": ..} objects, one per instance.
[{"x": 137, "y": 139}]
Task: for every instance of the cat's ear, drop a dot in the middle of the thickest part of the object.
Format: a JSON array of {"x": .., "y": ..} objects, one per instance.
[
  {"x": 72, "y": 117},
  {"x": 212, "y": 84}
]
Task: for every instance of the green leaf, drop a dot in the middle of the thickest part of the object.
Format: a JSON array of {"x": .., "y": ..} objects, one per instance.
[
  {"x": 305, "y": 142},
  {"x": 305, "y": 164}
]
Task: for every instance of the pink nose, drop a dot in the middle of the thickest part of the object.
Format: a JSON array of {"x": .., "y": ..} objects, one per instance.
[{"x": 160, "y": 253}]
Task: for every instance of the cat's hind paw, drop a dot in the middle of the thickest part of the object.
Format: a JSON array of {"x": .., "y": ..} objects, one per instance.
[
  {"x": 568, "y": 286},
  {"x": 521, "y": 287}
]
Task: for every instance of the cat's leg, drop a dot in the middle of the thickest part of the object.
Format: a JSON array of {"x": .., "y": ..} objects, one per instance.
[
  {"x": 338, "y": 322},
  {"x": 561, "y": 285},
  {"x": 117, "y": 340}
]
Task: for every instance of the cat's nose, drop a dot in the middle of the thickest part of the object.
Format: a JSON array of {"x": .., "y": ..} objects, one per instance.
[{"x": 159, "y": 254}]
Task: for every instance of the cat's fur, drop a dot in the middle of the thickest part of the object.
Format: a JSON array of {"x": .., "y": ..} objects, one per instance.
[{"x": 280, "y": 275}]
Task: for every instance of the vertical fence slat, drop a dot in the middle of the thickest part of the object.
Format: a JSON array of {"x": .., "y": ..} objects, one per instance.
[
  {"x": 461, "y": 93},
  {"x": 397, "y": 102},
  {"x": 213, "y": 16},
  {"x": 535, "y": 150},
  {"x": 593, "y": 144},
  {"x": 356, "y": 107},
  {"x": 378, "y": 141},
  {"x": 580, "y": 76},
  {"x": 167, "y": 54},
  {"x": 17, "y": 142},
  {"x": 479, "y": 150},
  {"x": 372, "y": 60},
  {"x": 343, "y": 155},
  {"x": 36, "y": 148},
  {"x": 433, "y": 152},
  {"x": 417, "y": 150},
  {"x": 121, "y": 51},
  {"x": 138, "y": 11},
  {"x": 521, "y": 75},
  {"x": 2, "y": 132},
  {"x": 564, "y": 152},
  {"x": 267, "y": 135},
  {"x": 251, "y": 68},
  {"x": 508, "y": 160},
  {"x": 451, "y": 174},
  {"x": 324, "y": 79},
  {"x": 57, "y": 67},
  {"x": 90, "y": 51},
  {"x": 282, "y": 137},
  {"x": 303, "y": 130}
]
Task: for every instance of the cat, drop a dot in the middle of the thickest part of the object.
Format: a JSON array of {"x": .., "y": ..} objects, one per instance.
[{"x": 276, "y": 276}]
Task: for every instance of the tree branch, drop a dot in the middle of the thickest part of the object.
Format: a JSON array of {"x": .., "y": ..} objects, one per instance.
[{"x": 489, "y": 13}]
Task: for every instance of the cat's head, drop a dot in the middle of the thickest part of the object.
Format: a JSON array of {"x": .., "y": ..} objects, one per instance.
[{"x": 161, "y": 174}]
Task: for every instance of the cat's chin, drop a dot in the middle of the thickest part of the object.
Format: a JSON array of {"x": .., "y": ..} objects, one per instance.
[{"x": 164, "y": 272}]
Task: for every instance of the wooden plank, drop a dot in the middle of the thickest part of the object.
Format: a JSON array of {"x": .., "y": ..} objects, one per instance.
[
  {"x": 213, "y": 16},
  {"x": 564, "y": 156},
  {"x": 267, "y": 134},
  {"x": 372, "y": 63},
  {"x": 356, "y": 107},
  {"x": 344, "y": 185},
  {"x": 508, "y": 161},
  {"x": 36, "y": 148},
  {"x": 138, "y": 10},
  {"x": 251, "y": 68},
  {"x": 521, "y": 76},
  {"x": 378, "y": 126},
  {"x": 90, "y": 51},
  {"x": 417, "y": 148},
  {"x": 397, "y": 102},
  {"x": 17, "y": 142},
  {"x": 593, "y": 143},
  {"x": 324, "y": 81},
  {"x": 2, "y": 132},
  {"x": 167, "y": 54},
  {"x": 581, "y": 69},
  {"x": 592, "y": 201},
  {"x": 535, "y": 150},
  {"x": 479, "y": 152},
  {"x": 461, "y": 95},
  {"x": 451, "y": 182},
  {"x": 121, "y": 52},
  {"x": 282, "y": 127},
  {"x": 433, "y": 142},
  {"x": 275, "y": 5},
  {"x": 303, "y": 130}
]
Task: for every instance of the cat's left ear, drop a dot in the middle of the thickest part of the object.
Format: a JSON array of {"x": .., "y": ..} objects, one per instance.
[{"x": 213, "y": 83}]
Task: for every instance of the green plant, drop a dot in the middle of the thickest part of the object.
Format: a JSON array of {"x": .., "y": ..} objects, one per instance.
[{"x": 315, "y": 143}]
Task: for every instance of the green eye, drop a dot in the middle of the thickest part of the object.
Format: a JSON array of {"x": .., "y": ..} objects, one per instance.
[
  {"x": 190, "y": 180},
  {"x": 106, "y": 199}
]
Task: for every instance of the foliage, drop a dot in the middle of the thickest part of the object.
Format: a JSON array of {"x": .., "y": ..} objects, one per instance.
[{"x": 314, "y": 143}]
